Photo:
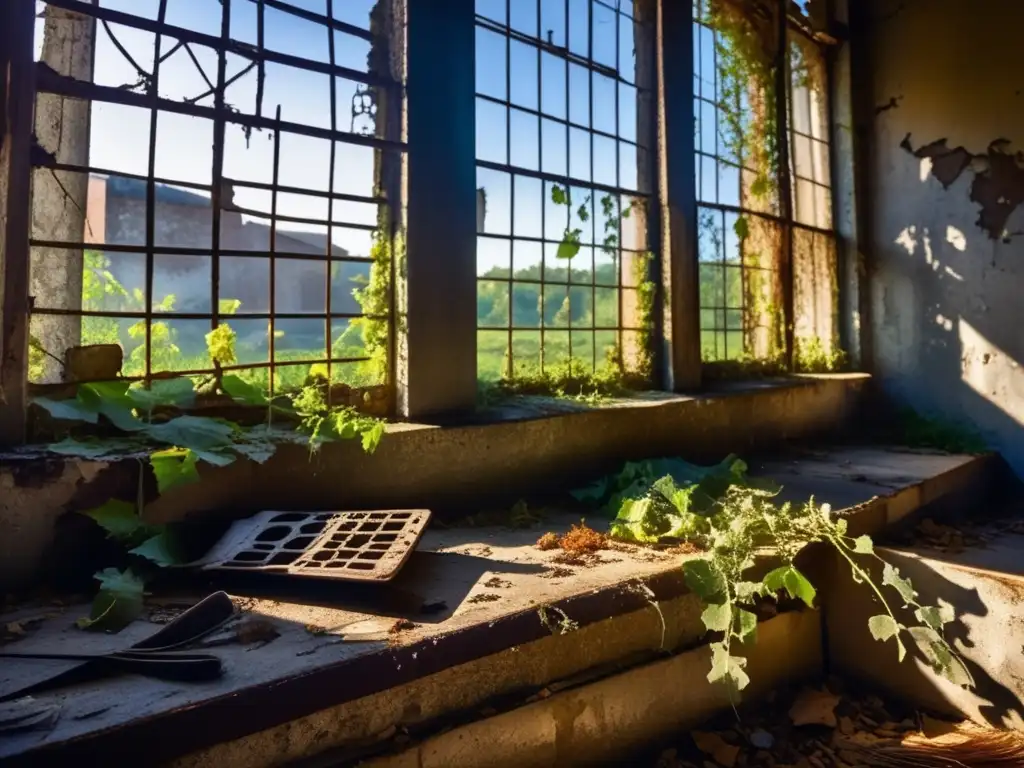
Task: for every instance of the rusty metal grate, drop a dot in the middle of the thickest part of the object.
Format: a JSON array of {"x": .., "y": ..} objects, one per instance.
[{"x": 355, "y": 546}]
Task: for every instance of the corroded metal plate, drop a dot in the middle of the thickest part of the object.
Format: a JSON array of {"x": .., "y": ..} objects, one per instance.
[{"x": 353, "y": 546}]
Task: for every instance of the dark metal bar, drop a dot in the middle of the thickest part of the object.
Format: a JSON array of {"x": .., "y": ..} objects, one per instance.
[
  {"x": 554, "y": 178},
  {"x": 441, "y": 222},
  {"x": 782, "y": 81},
  {"x": 185, "y": 251},
  {"x": 220, "y": 43},
  {"x": 512, "y": 184},
  {"x": 49, "y": 81},
  {"x": 543, "y": 186},
  {"x": 328, "y": 338},
  {"x": 151, "y": 191},
  {"x": 328, "y": 21},
  {"x": 195, "y": 315},
  {"x": 262, "y": 73},
  {"x": 541, "y": 45},
  {"x": 678, "y": 199},
  {"x": 217, "y": 170},
  {"x": 273, "y": 246},
  {"x": 17, "y": 19}
]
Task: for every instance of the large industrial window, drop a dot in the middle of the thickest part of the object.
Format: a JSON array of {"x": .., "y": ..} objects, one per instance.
[
  {"x": 564, "y": 125},
  {"x": 207, "y": 166},
  {"x": 749, "y": 229}
]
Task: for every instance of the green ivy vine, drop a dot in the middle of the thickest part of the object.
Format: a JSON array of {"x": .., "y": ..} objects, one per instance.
[{"x": 737, "y": 523}]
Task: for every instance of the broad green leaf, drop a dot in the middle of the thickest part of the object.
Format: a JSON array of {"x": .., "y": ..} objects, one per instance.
[
  {"x": 863, "y": 545},
  {"x": 220, "y": 344},
  {"x": 788, "y": 578},
  {"x": 727, "y": 669},
  {"x": 93, "y": 448},
  {"x": 741, "y": 227},
  {"x": 744, "y": 626},
  {"x": 705, "y": 580},
  {"x": 157, "y": 549},
  {"x": 747, "y": 591},
  {"x": 759, "y": 187},
  {"x": 197, "y": 433},
  {"x": 883, "y": 627},
  {"x": 717, "y": 617},
  {"x": 371, "y": 436},
  {"x": 119, "y": 519},
  {"x": 117, "y": 604},
  {"x": 243, "y": 391},
  {"x": 558, "y": 195},
  {"x": 219, "y": 457},
  {"x": 178, "y": 391},
  {"x": 174, "y": 467},
  {"x": 570, "y": 244},
  {"x": 110, "y": 399},
  {"x": 69, "y": 410},
  {"x": 935, "y": 616},
  {"x": 891, "y": 578},
  {"x": 258, "y": 451}
]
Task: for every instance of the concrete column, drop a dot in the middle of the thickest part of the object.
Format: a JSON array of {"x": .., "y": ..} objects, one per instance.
[
  {"x": 58, "y": 208},
  {"x": 845, "y": 149},
  {"x": 436, "y": 270},
  {"x": 677, "y": 198},
  {"x": 17, "y": 18}
]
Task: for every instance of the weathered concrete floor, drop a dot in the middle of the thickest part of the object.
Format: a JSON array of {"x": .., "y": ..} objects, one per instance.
[{"x": 473, "y": 576}]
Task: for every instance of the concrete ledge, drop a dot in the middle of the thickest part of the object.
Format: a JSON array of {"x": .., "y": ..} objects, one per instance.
[
  {"x": 303, "y": 694},
  {"x": 606, "y": 720},
  {"x": 466, "y": 467}
]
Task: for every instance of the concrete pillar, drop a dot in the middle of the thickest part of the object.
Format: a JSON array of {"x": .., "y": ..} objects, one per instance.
[
  {"x": 58, "y": 209},
  {"x": 680, "y": 287},
  {"x": 436, "y": 270},
  {"x": 18, "y": 90}
]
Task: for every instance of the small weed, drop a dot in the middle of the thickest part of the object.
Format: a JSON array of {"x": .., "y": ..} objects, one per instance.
[
  {"x": 916, "y": 430},
  {"x": 547, "y": 542},
  {"x": 581, "y": 540}
]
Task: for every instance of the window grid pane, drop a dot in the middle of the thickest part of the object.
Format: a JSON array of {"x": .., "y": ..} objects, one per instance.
[{"x": 562, "y": 222}]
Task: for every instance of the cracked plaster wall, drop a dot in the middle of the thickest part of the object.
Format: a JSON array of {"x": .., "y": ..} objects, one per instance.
[{"x": 945, "y": 210}]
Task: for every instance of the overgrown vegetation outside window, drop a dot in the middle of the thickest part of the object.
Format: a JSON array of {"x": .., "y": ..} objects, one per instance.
[
  {"x": 565, "y": 299},
  {"x": 746, "y": 232}
]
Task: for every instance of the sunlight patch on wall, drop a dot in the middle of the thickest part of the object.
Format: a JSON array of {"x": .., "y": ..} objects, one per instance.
[{"x": 990, "y": 372}]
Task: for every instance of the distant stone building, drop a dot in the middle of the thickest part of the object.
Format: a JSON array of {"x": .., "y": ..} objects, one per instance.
[{"x": 116, "y": 215}]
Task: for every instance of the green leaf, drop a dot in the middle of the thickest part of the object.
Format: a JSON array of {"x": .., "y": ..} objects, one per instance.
[
  {"x": 883, "y": 627},
  {"x": 68, "y": 410},
  {"x": 863, "y": 545},
  {"x": 174, "y": 467},
  {"x": 258, "y": 450},
  {"x": 727, "y": 669},
  {"x": 372, "y": 435},
  {"x": 558, "y": 195},
  {"x": 243, "y": 391},
  {"x": 583, "y": 213},
  {"x": 717, "y": 617},
  {"x": 198, "y": 433},
  {"x": 157, "y": 549},
  {"x": 220, "y": 344},
  {"x": 119, "y": 519},
  {"x": 110, "y": 399},
  {"x": 788, "y": 578},
  {"x": 705, "y": 580},
  {"x": 891, "y": 578},
  {"x": 570, "y": 244},
  {"x": 935, "y": 616},
  {"x": 747, "y": 591},
  {"x": 741, "y": 227},
  {"x": 759, "y": 188},
  {"x": 93, "y": 448},
  {"x": 744, "y": 626},
  {"x": 117, "y": 604},
  {"x": 178, "y": 391}
]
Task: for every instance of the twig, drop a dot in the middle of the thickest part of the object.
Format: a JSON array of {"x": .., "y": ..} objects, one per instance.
[{"x": 145, "y": 78}]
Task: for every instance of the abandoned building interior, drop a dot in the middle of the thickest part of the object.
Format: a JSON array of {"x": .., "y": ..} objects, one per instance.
[{"x": 511, "y": 382}]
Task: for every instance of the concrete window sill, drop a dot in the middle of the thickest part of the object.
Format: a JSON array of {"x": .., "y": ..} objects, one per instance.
[{"x": 508, "y": 619}]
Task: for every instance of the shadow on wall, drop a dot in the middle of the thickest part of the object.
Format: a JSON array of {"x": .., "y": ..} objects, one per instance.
[{"x": 947, "y": 297}]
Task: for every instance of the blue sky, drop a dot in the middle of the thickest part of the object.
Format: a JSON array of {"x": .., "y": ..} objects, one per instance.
[{"x": 184, "y": 144}]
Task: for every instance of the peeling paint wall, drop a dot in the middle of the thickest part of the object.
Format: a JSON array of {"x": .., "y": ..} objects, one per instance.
[{"x": 945, "y": 209}]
